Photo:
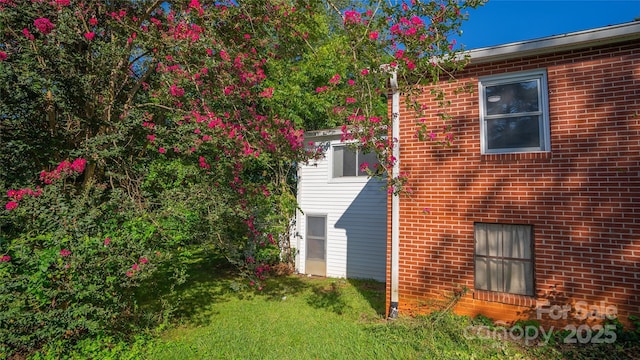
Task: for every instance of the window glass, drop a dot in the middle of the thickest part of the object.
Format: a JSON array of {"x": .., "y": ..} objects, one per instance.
[
  {"x": 347, "y": 162},
  {"x": 371, "y": 159},
  {"x": 316, "y": 226},
  {"x": 521, "y": 97},
  {"x": 503, "y": 258},
  {"x": 513, "y": 132},
  {"x": 316, "y": 237},
  {"x": 514, "y": 117}
]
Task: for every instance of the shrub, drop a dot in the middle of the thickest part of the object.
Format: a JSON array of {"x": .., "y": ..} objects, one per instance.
[{"x": 72, "y": 257}]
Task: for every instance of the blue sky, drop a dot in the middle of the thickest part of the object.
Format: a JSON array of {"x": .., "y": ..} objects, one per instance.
[{"x": 504, "y": 21}]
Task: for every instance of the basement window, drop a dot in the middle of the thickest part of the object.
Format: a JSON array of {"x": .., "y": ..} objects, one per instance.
[
  {"x": 514, "y": 113},
  {"x": 504, "y": 258}
]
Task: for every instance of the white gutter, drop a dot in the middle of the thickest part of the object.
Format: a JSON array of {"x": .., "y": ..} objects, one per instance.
[{"x": 395, "y": 199}]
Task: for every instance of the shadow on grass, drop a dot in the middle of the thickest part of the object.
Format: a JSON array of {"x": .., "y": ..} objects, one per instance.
[
  {"x": 279, "y": 287},
  {"x": 374, "y": 292},
  {"x": 209, "y": 279},
  {"x": 328, "y": 297}
]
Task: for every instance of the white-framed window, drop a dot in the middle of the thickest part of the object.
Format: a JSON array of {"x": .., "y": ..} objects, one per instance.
[
  {"x": 504, "y": 258},
  {"x": 514, "y": 113},
  {"x": 347, "y": 162}
]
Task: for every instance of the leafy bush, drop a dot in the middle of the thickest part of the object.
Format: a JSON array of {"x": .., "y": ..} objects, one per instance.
[{"x": 72, "y": 257}]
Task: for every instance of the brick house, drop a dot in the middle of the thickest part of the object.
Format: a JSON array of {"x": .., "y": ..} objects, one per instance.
[{"x": 538, "y": 200}]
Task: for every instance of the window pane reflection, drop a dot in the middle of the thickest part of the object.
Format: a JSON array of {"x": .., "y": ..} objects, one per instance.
[
  {"x": 512, "y": 98},
  {"x": 515, "y": 132}
]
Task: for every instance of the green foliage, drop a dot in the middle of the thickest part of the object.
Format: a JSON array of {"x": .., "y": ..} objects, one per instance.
[
  {"x": 190, "y": 117},
  {"x": 76, "y": 256},
  {"x": 626, "y": 334}
]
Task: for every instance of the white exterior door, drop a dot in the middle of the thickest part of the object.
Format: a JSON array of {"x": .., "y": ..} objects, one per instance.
[{"x": 316, "y": 261}]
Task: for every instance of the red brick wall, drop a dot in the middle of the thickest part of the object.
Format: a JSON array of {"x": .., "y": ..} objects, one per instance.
[{"x": 582, "y": 198}]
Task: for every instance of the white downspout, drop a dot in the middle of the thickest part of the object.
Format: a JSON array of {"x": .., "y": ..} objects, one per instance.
[{"x": 395, "y": 199}]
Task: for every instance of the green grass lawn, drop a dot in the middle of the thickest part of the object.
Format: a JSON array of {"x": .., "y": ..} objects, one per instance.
[{"x": 298, "y": 317}]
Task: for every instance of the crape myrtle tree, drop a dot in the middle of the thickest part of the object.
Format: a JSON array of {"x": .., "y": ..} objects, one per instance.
[{"x": 130, "y": 129}]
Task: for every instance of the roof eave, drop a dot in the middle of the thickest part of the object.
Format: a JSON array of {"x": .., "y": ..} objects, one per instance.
[{"x": 581, "y": 39}]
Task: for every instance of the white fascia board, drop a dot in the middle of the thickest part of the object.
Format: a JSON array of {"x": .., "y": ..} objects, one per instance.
[
  {"x": 323, "y": 135},
  {"x": 581, "y": 39}
]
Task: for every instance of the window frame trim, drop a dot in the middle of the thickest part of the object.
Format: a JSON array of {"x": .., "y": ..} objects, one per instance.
[
  {"x": 357, "y": 178},
  {"x": 530, "y": 260},
  {"x": 543, "y": 94}
]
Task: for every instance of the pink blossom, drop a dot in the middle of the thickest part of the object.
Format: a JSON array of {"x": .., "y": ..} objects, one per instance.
[
  {"x": 93, "y": 21},
  {"x": 3, "y": 56},
  {"x": 351, "y": 82},
  {"x": 27, "y": 34},
  {"x": 135, "y": 267},
  {"x": 5, "y": 258},
  {"x": 162, "y": 150},
  {"x": 267, "y": 93},
  {"x": 90, "y": 35},
  {"x": 417, "y": 21},
  {"x": 335, "y": 79},
  {"x": 143, "y": 260},
  {"x": 351, "y": 17},
  {"x": 43, "y": 25},
  {"x": 176, "y": 91},
  {"x": 107, "y": 241},
  {"x": 350, "y": 100},
  {"x": 78, "y": 165},
  {"x": 203, "y": 163},
  {"x": 364, "y": 72},
  {"x": 129, "y": 273},
  {"x": 65, "y": 252},
  {"x": 321, "y": 89},
  {"x": 11, "y": 205},
  {"x": 195, "y": 4},
  {"x": 62, "y": 2},
  {"x": 151, "y": 138},
  {"x": 373, "y": 35}
]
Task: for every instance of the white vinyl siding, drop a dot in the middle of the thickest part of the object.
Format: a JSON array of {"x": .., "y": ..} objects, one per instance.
[
  {"x": 503, "y": 258},
  {"x": 356, "y": 219}
]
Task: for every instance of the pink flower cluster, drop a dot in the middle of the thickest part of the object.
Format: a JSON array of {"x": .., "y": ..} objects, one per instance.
[
  {"x": 352, "y": 17},
  {"x": 44, "y": 25},
  {"x": 66, "y": 168},
  {"x": 16, "y": 195},
  {"x": 136, "y": 266},
  {"x": 5, "y": 258}
]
